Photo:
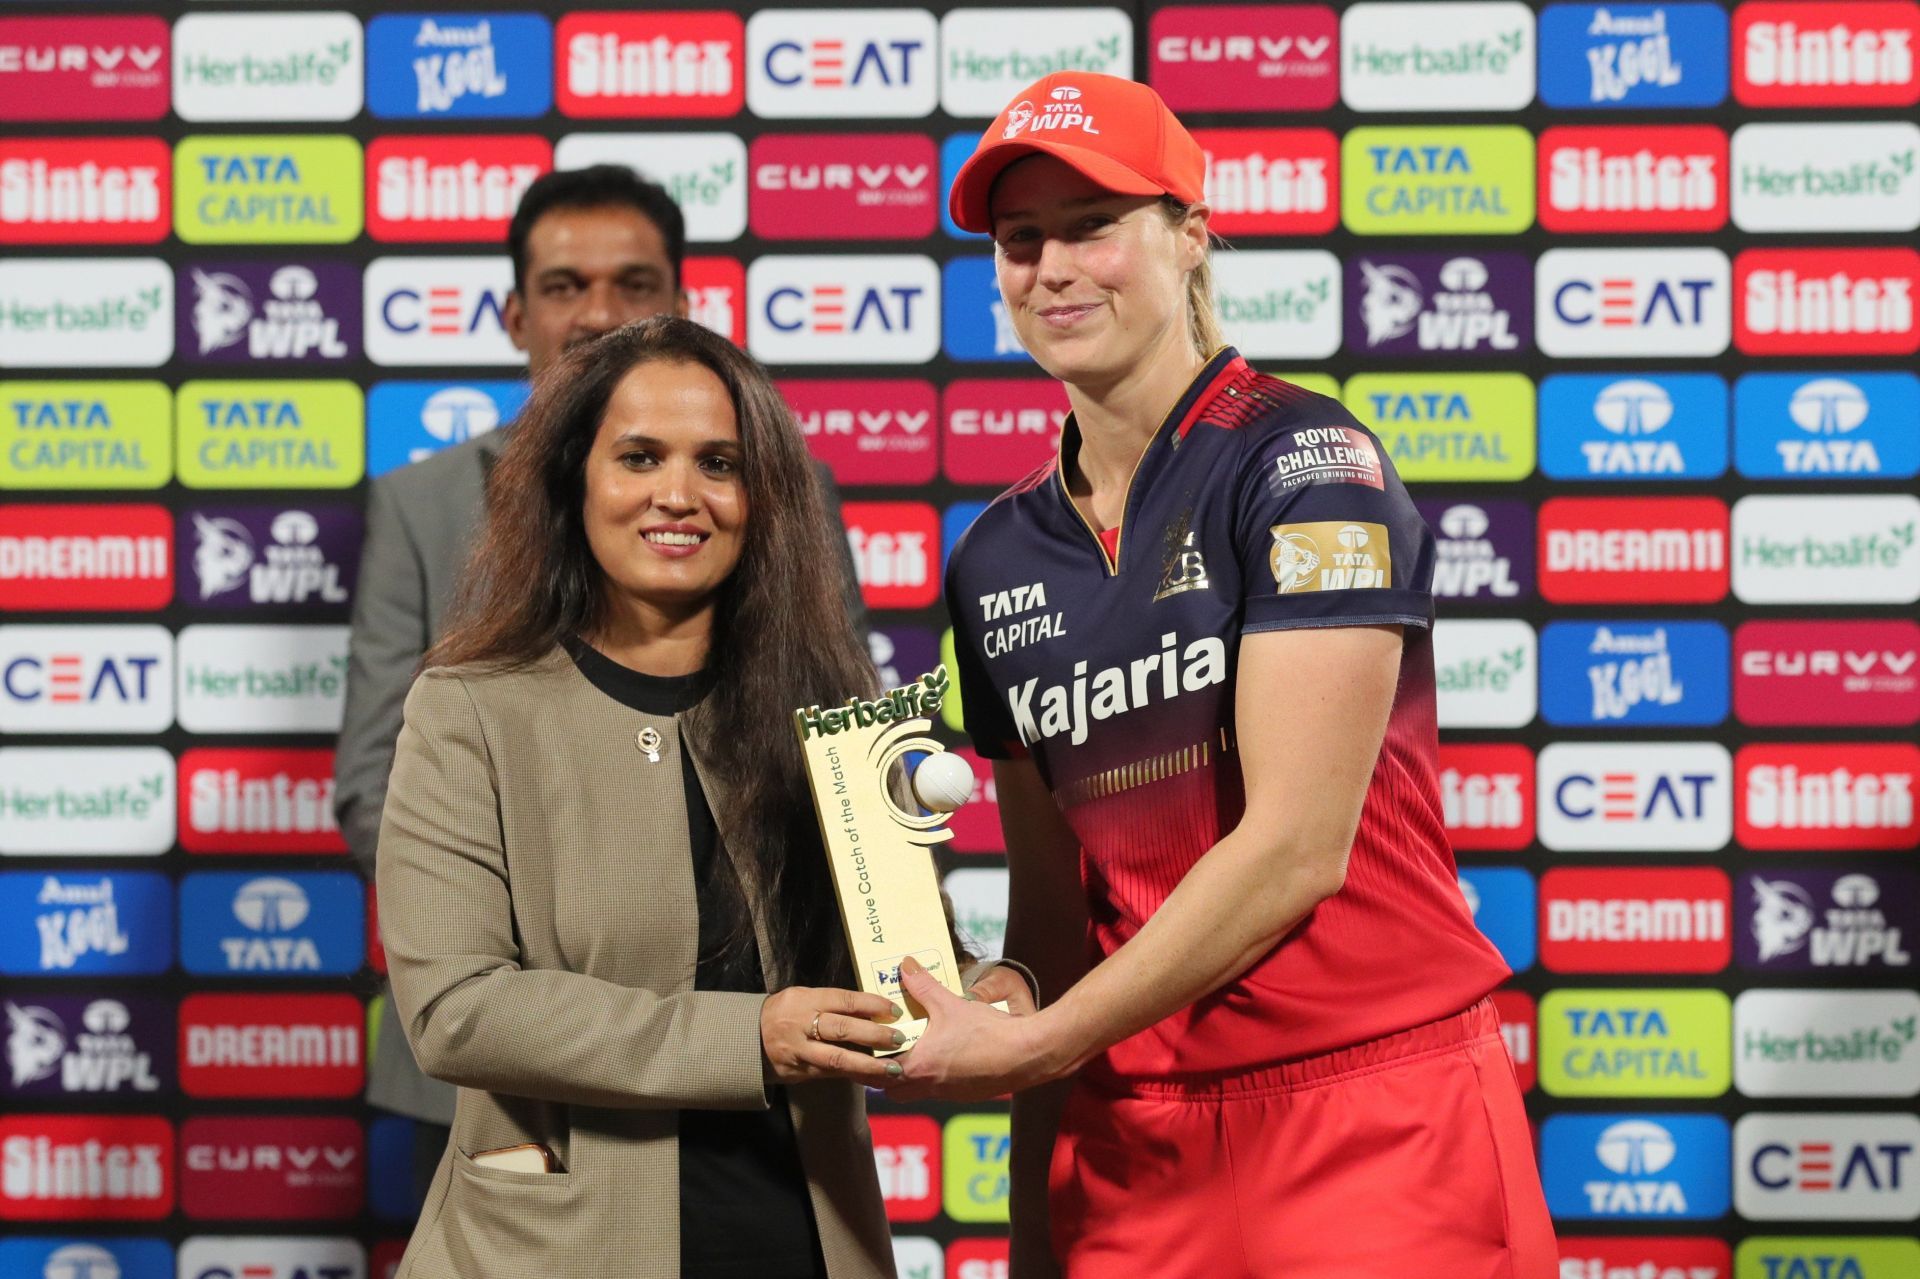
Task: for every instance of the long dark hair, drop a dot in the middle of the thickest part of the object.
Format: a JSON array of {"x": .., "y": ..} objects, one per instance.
[{"x": 781, "y": 635}]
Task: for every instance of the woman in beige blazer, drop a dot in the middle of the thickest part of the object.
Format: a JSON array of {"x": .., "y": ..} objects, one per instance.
[{"x": 598, "y": 858}]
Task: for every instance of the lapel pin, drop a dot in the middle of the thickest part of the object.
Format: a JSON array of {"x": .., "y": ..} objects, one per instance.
[{"x": 648, "y": 739}]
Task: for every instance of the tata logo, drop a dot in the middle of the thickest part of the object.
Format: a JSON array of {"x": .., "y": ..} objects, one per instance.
[
  {"x": 1486, "y": 673},
  {"x": 268, "y": 190},
  {"x": 988, "y": 55},
  {"x": 1827, "y": 301},
  {"x": 1826, "y": 177},
  {"x": 1607, "y": 550},
  {"x": 1628, "y": 179},
  {"x": 1808, "y": 921},
  {"x": 1633, "y": 302},
  {"x": 61, "y": 1045},
  {"x": 248, "y": 311},
  {"x": 1449, "y": 426},
  {"x": 1857, "y": 795},
  {"x": 119, "y": 924},
  {"x": 466, "y": 188},
  {"x": 844, "y": 64},
  {"x": 272, "y": 1045},
  {"x": 1482, "y": 550},
  {"x": 1434, "y": 303},
  {"x": 294, "y": 925},
  {"x": 1631, "y": 673},
  {"x": 84, "y": 191},
  {"x": 1637, "y": 426},
  {"x": 272, "y": 555},
  {"x": 1486, "y": 795},
  {"x": 83, "y": 68},
  {"x": 1827, "y": 1167},
  {"x": 55, "y": 1258},
  {"x": 1826, "y": 672},
  {"x": 868, "y": 432},
  {"x": 86, "y": 679},
  {"x": 459, "y": 66},
  {"x": 1447, "y": 57},
  {"x": 410, "y": 421},
  {"x": 1835, "y": 550},
  {"x": 639, "y": 65},
  {"x": 111, "y": 800},
  {"x": 117, "y": 557},
  {"x": 871, "y": 309},
  {"x": 53, "y": 309},
  {"x": 258, "y": 800},
  {"x": 1501, "y": 901},
  {"x": 267, "y": 66},
  {"x": 1635, "y": 1167},
  {"x": 272, "y": 1168},
  {"x": 896, "y": 549},
  {"x": 1826, "y": 426},
  {"x": 1622, "y": 796},
  {"x": 1474, "y": 179},
  {"x": 1827, "y": 1043},
  {"x": 439, "y": 311},
  {"x": 86, "y": 1167},
  {"x": 1245, "y": 57},
  {"x": 1825, "y": 55},
  {"x": 1617, "y": 920},
  {"x": 1633, "y": 57},
  {"x": 1271, "y": 181},
  {"x": 906, "y": 1152},
  {"x": 997, "y": 430},
  {"x": 1635, "y": 1043},
  {"x": 844, "y": 186}
]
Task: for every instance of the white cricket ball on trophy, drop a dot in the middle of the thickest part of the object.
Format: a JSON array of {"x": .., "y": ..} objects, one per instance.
[{"x": 943, "y": 782}]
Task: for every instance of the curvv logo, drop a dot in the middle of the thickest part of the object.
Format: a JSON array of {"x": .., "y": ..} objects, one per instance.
[
  {"x": 646, "y": 65},
  {"x": 267, "y": 66},
  {"x": 437, "y": 189},
  {"x": 1827, "y": 301},
  {"x": 1437, "y": 57},
  {"x": 1486, "y": 673},
  {"x": 262, "y": 679},
  {"x": 1826, "y": 55},
  {"x": 896, "y": 549},
  {"x": 1633, "y": 56},
  {"x": 1436, "y": 304},
  {"x": 273, "y": 1257},
  {"x": 1279, "y": 304},
  {"x": 1862, "y": 672},
  {"x": 1857, "y": 795},
  {"x": 253, "y": 800},
  {"x": 1827, "y": 1043},
  {"x": 271, "y": 1045},
  {"x": 1633, "y": 179},
  {"x": 268, "y": 190},
  {"x": 251, "y": 555},
  {"x": 1659, "y": 303},
  {"x": 84, "y": 191},
  {"x": 1635, "y": 1043},
  {"x": 1621, "y": 920},
  {"x": 1805, "y": 921},
  {"x": 706, "y": 173},
  {"x": 113, "y": 801},
  {"x": 245, "y": 312},
  {"x": 439, "y": 311},
  {"x": 1486, "y": 796},
  {"x": 998, "y": 430},
  {"x": 1826, "y": 550},
  {"x": 1449, "y": 426},
  {"x": 1600, "y": 797},
  {"x": 75, "y": 68},
  {"x": 116, "y": 557},
  {"x": 841, "y": 64},
  {"x": 1271, "y": 181},
  {"x": 1826, "y": 177},
  {"x": 296, "y": 925},
  {"x": 410, "y": 421},
  {"x": 1654, "y": 426},
  {"x": 272, "y": 1167},
  {"x": 1826, "y": 426},
  {"x": 868, "y": 432},
  {"x": 1609, "y": 550},
  {"x": 459, "y": 66},
  {"x": 988, "y": 55},
  {"x": 1597, "y": 674},
  {"x": 60, "y": 1045},
  {"x": 86, "y": 679},
  {"x": 81, "y": 1167},
  {"x": 867, "y": 309},
  {"x": 1827, "y": 1167},
  {"x": 1465, "y": 180},
  {"x": 1635, "y": 1167},
  {"x": 1482, "y": 550},
  {"x": 82, "y": 312},
  {"x": 270, "y": 434},
  {"x": 85, "y": 925},
  {"x": 1245, "y": 57},
  {"x": 844, "y": 186}
]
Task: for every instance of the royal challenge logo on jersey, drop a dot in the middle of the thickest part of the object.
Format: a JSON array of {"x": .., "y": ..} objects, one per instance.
[
  {"x": 1486, "y": 795},
  {"x": 270, "y": 434},
  {"x": 843, "y": 186},
  {"x": 250, "y": 556},
  {"x": 842, "y": 63},
  {"x": 1827, "y": 550},
  {"x": 1826, "y": 426},
  {"x": 272, "y": 1045},
  {"x": 116, "y": 557},
  {"x": 267, "y": 66},
  {"x": 1482, "y": 550},
  {"x": 1487, "y": 672},
  {"x": 459, "y": 66},
  {"x": 1621, "y": 920},
  {"x": 262, "y": 679},
  {"x": 1599, "y": 797},
  {"x": 295, "y": 925},
  {"x": 83, "y": 68},
  {"x": 84, "y": 191},
  {"x": 1437, "y": 57},
  {"x": 462, "y": 188},
  {"x": 42, "y": 1257},
  {"x": 1633, "y": 179},
  {"x": 85, "y": 313},
  {"x": 1279, "y": 304},
  {"x": 1826, "y": 177},
  {"x": 253, "y": 800},
  {"x": 1449, "y": 426},
  {"x": 1610, "y": 550},
  {"x": 1604, "y": 426},
  {"x": 641, "y": 65},
  {"x": 439, "y": 311},
  {"x": 113, "y": 801},
  {"x": 1610, "y": 303},
  {"x": 86, "y": 1167},
  {"x": 1633, "y": 57},
  {"x": 68, "y": 925},
  {"x": 1827, "y": 1043},
  {"x": 1464, "y": 180},
  {"x": 272, "y": 1167},
  {"x": 1501, "y": 900},
  {"x": 1635, "y": 1043},
  {"x": 1271, "y": 181},
  {"x": 867, "y": 309},
  {"x": 86, "y": 679},
  {"x": 878, "y": 431},
  {"x": 706, "y": 174},
  {"x": 1595, "y": 674},
  {"x": 1439, "y": 304},
  {"x": 410, "y": 421},
  {"x": 975, "y": 324},
  {"x": 1788, "y": 53},
  {"x": 268, "y": 189},
  {"x": 1827, "y": 301},
  {"x": 1831, "y": 796},
  {"x": 999, "y": 429},
  {"x": 1650, "y": 1167},
  {"x": 988, "y": 55},
  {"x": 1245, "y": 57},
  {"x": 86, "y": 435},
  {"x": 1827, "y": 1167},
  {"x": 1827, "y": 672},
  {"x": 251, "y": 312},
  {"x": 276, "y": 1257},
  {"x": 60, "y": 1045},
  {"x": 1826, "y": 920}
]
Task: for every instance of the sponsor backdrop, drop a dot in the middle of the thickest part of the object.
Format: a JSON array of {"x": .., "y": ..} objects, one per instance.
[{"x": 1628, "y": 290}]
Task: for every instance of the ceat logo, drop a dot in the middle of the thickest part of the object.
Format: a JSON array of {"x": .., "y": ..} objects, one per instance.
[
  {"x": 1281, "y": 57},
  {"x": 254, "y": 800},
  {"x": 459, "y": 188},
  {"x": 271, "y": 1257},
  {"x": 1806, "y": 921},
  {"x": 1840, "y": 673},
  {"x": 1829, "y": 1167},
  {"x": 1840, "y": 796},
  {"x": 1827, "y": 301},
  {"x": 1635, "y": 796},
  {"x": 85, "y": 1167},
  {"x": 1486, "y": 795},
  {"x": 1628, "y": 179},
  {"x": 272, "y": 1167},
  {"x": 1271, "y": 181},
  {"x": 75, "y": 68},
  {"x": 86, "y": 679},
  {"x": 1825, "y": 55},
  {"x": 999, "y": 429},
  {"x": 1630, "y": 550},
  {"x": 1646, "y": 1258},
  {"x": 716, "y": 290},
  {"x": 1636, "y": 921},
  {"x": 638, "y": 66},
  {"x": 272, "y": 1045},
  {"x": 85, "y": 191},
  {"x": 906, "y": 1152},
  {"x": 1519, "y": 1030},
  {"x": 896, "y": 552},
  {"x": 844, "y": 186},
  {"x": 441, "y": 311},
  {"x": 867, "y": 309},
  {"x": 868, "y": 432},
  {"x": 85, "y": 557},
  {"x": 841, "y": 63},
  {"x": 1657, "y": 303}
]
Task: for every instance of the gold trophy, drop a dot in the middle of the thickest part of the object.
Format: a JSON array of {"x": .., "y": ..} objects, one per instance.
[{"x": 880, "y": 851}]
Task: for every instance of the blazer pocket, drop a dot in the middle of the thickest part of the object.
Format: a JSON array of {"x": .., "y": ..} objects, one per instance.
[
  {"x": 510, "y": 1224},
  {"x": 465, "y": 1166}
]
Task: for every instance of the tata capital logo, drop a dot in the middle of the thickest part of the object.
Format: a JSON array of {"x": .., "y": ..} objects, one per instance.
[
  {"x": 844, "y": 186},
  {"x": 1826, "y": 177},
  {"x": 83, "y": 68},
  {"x": 1825, "y": 55},
  {"x": 1628, "y": 796},
  {"x": 465, "y": 188},
  {"x": 1437, "y": 57},
  {"x": 248, "y": 311},
  {"x": 267, "y": 66},
  {"x": 115, "y": 801},
  {"x": 841, "y": 63},
  {"x": 1620, "y": 920},
  {"x": 1245, "y": 57},
  {"x": 1651, "y": 426},
  {"x": 1827, "y": 1043},
  {"x": 270, "y": 434},
  {"x": 459, "y": 66},
  {"x": 1596, "y": 673},
  {"x": 61, "y": 312},
  {"x": 1827, "y": 301},
  {"x": 1859, "y": 672},
  {"x": 1486, "y": 673},
  {"x": 636, "y": 65},
  {"x": 86, "y": 435},
  {"x": 85, "y": 925},
  {"x": 1827, "y": 1167},
  {"x": 906, "y": 1152},
  {"x": 1633, "y": 550},
  {"x": 1486, "y": 795},
  {"x": 1633, "y": 56},
  {"x": 1449, "y": 426},
  {"x": 295, "y": 925},
  {"x": 272, "y": 1167},
  {"x": 1636, "y": 1043},
  {"x": 62, "y": 1045},
  {"x": 1856, "y": 795},
  {"x": 1633, "y": 302},
  {"x": 272, "y": 555},
  {"x": 1271, "y": 181},
  {"x": 278, "y": 189},
  {"x": 986, "y": 55},
  {"x": 117, "y": 557},
  {"x": 868, "y": 432},
  {"x": 439, "y": 311},
  {"x": 1633, "y": 178},
  {"x": 254, "y": 800},
  {"x": 1469, "y": 179},
  {"x": 76, "y": 1167},
  {"x": 86, "y": 679},
  {"x": 870, "y": 309},
  {"x": 1432, "y": 303},
  {"x": 977, "y": 1158},
  {"x": 1812, "y": 920},
  {"x": 1839, "y": 549},
  {"x": 84, "y": 191},
  {"x": 1656, "y": 1166}
]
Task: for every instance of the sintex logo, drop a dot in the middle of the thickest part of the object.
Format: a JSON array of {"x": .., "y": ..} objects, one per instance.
[
  {"x": 641, "y": 65},
  {"x": 457, "y": 188},
  {"x": 84, "y": 191},
  {"x": 1272, "y": 181},
  {"x": 1796, "y": 54},
  {"x": 1633, "y": 178},
  {"x": 1827, "y": 301},
  {"x": 254, "y": 800}
]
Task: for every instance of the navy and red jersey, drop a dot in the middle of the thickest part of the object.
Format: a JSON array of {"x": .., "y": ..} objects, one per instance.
[{"x": 1111, "y": 661}]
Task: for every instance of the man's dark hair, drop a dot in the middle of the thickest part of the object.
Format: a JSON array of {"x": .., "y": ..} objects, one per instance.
[{"x": 598, "y": 186}]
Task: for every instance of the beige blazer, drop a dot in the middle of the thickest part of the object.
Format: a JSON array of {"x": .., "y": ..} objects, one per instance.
[{"x": 537, "y": 907}]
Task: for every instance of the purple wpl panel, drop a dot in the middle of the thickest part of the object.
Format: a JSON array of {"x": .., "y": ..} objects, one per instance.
[
  {"x": 267, "y": 311},
  {"x": 1403, "y": 304},
  {"x": 1482, "y": 550},
  {"x": 299, "y": 554},
  {"x": 1836, "y": 922}
]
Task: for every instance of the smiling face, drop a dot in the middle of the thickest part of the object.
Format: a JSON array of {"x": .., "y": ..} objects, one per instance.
[
  {"x": 589, "y": 270},
  {"x": 665, "y": 507},
  {"x": 1094, "y": 283}
]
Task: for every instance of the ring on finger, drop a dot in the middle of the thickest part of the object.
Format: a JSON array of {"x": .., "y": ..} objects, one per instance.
[{"x": 813, "y": 1027}]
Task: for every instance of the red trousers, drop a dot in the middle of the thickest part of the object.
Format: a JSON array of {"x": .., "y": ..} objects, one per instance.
[{"x": 1408, "y": 1155}]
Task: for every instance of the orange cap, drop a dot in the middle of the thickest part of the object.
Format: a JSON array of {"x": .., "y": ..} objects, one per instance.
[{"x": 1117, "y": 132}]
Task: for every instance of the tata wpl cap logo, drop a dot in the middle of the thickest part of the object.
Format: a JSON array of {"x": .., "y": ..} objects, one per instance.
[
  {"x": 247, "y": 312},
  {"x": 64, "y": 1045}
]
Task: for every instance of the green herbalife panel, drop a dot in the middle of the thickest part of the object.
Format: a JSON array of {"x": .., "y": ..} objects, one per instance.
[{"x": 1636, "y": 1043}]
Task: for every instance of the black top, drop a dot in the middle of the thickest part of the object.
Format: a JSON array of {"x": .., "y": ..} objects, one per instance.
[{"x": 744, "y": 1210}]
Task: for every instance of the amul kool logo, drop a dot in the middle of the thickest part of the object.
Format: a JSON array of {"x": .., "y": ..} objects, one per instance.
[
  {"x": 113, "y": 801},
  {"x": 82, "y": 1167},
  {"x": 1626, "y": 920},
  {"x": 1827, "y": 550},
  {"x": 1271, "y": 181},
  {"x": 1827, "y": 1167},
  {"x": 1826, "y": 426},
  {"x": 1487, "y": 673},
  {"x": 870, "y": 309},
  {"x": 60, "y": 1044},
  {"x": 706, "y": 174},
  {"x": 988, "y": 55},
  {"x": 295, "y": 925},
  {"x": 272, "y": 1045},
  {"x": 84, "y": 191},
  {"x": 1633, "y": 56},
  {"x": 85, "y": 557},
  {"x": 83, "y": 68},
  {"x": 243, "y": 312},
  {"x": 1827, "y": 301},
  {"x": 1633, "y": 178},
  {"x": 67, "y": 925},
  {"x": 1827, "y": 1043},
  {"x": 1635, "y": 796},
  {"x": 868, "y": 432},
  {"x": 1594, "y": 674},
  {"x": 640, "y": 65},
  {"x": 1823, "y": 920},
  {"x": 1635, "y": 426},
  {"x": 1439, "y": 304},
  {"x": 1606, "y": 550},
  {"x": 844, "y": 186},
  {"x": 1482, "y": 550},
  {"x": 272, "y": 1167},
  {"x": 1635, "y": 1167},
  {"x": 1437, "y": 57},
  {"x": 85, "y": 313},
  {"x": 1464, "y": 180},
  {"x": 1449, "y": 426},
  {"x": 1281, "y": 57},
  {"x": 459, "y": 66},
  {"x": 1826, "y": 177},
  {"x": 253, "y": 800},
  {"x": 86, "y": 679},
  {"x": 841, "y": 63},
  {"x": 1792, "y": 54},
  {"x": 1658, "y": 303},
  {"x": 1486, "y": 795},
  {"x": 267, "y": 66},
  {"x": 1635, "y": 1043},
  {"x": 251, "y": 189},
  {"x": 458, "y": 188},
  {"x": 441, "y": 311},
  {"x": 1859, "y": 672},
  {"x": 262, "y": 679},
  {"x": 1852, "y": 795},
  {"x": 245, "y": 556},
  {"x": 409, "y": 421},
  {"x": 997, "y": 430}
]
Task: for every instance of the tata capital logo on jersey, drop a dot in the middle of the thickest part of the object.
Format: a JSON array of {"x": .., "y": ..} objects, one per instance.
[
  {"x": 294, "y": 925},
  {"x": 245, "y": 312},
  {"x": 267, "y": 66},
  {"x": 1633, "y": 56},
  {"x": 1636, "y": 1043},
  {"x": 1826, "y": 426},
  {"x": 1635, "y": 1167},
  {"x": 85, "y": 925},
  {"x": 75, "y": 68},
  {"x": 1635, "y": 796},
  {"x": 866, "y": 309},
  {"x": 868, "y": 432},
  {"x": 255, "y": 800},
  {"x": 988, "y": 55},
  {"x": 116, "y": 557},
  {"x": 1855, "y": 795},
  {"x": 1271, "y": 181},
  {"x": 1827, "y": 301},
  {"x": 1826, "y": 177},
  {"x": 1482, "y": 550},
  {"x": 649, "y": 65},
  {"x": 409, "y": 421},
  {"x": 460, "y": 188},
  {"x": 1619, "y": 920},
  {"x": 896, "y": 550},
  {"x": 1633, "y": 178},
  {"x": 268, "y": 189},
  {"x": 844, "y": 186},
  {"x": 1486, "y": 673},
  {"x": 439, "y": 311},
  {"x": 1245, "y": 57},
  {"x": 1486, "y": 795},
  {"x": 1437, "y": 57},
  {"x": 84, "y": 191},
  {"x": 280, "y": 1256},
  {"x": 1449, "y": 426},
  {"x": 1827, "y": 1167},
  {"x": 1602, "y": 673},
  {"x": 906, "y": 1151},
  {"x": 1633, "y": 302},
  {"x": 255, "y": 555},
  {"x": 86, "y": 679},
  {"x": 114, "y": 801},
  {"x": 841, "y": 63},
  {"x": 1812, "y": 920},
  {"x": 997, "y": 430},
  {"x": 1827, "y": 1043},
  {"x": 1603, "y": 426},
  {"x": 1856, "y": 672},
  {"x": 271, "y": 1045},
  {"x": 1463, "y": 180},
  {"x": 81, "y": 1167},
  {"x": 1439, "y": 304},
  {"x": 1607, "y": 550},
  {"x": 61, "y": 312},
  {"x": 272, "y": 1167},
  {"x": 1837, "y": 550},
  {"x": 1825, "y": 55},
  {"x": 459, "y": 66},
  {"x": 60, "y": 1045}
]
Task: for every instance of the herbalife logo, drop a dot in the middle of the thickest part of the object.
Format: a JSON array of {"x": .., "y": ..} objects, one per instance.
[
  {"x": 102, "y": 316},
  {"x": 319, "y": 66},
  {"x": 1297, "y": 304},
  {"x": 1884, "y": 176},
  {"x": 1107, "y": 56},
  {"x": 1489, "y": 56},
  {"x": 707, "y": 187},
  {"x": 1491, "y": 674},
  {"x": 1880, "y": 549},
  {"x": 913, "y": 701}
]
